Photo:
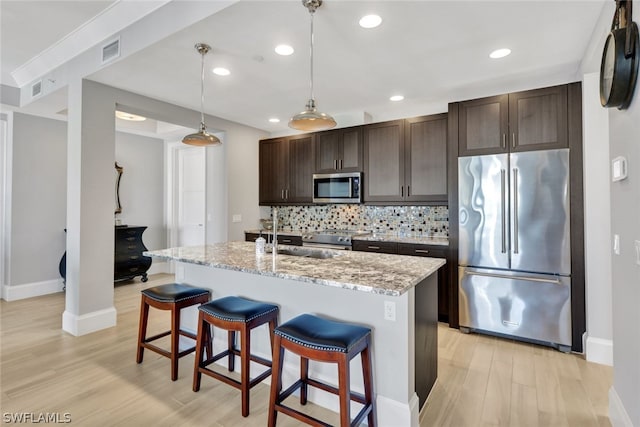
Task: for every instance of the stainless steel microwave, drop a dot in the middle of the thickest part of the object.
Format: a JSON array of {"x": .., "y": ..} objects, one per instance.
[{"x": 337, "y": 188}]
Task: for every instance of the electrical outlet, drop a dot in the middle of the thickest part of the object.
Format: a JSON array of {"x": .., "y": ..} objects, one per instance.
[
  {"x": 390, "y": 311},
  {"x": 637, "y": 252},
  {"x": 616, "y": 244},
  {"x": 236, "y": 218}
]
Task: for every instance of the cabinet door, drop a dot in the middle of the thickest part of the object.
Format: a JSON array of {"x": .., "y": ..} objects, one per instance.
[
  {"x": 328, "y": 147},
  {"x": 538, "y": 119},
  {"x": 443, "y": 273},
  {"x": 384, "y": 162},
  {"x": 351, "y": 153},
  {"x": 300, "y": 188},
  {"x": 273, "y": 171},
  {"x": 483, "y": 126},
  {"x": 426, "y": 158}
]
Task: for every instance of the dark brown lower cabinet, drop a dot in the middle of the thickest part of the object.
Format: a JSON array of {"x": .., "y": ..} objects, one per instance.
[
  {"x": 432, "y": 251},
  {"x": 284, "y": 239}
]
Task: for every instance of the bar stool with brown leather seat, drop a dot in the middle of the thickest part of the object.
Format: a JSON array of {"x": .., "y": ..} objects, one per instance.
[
  {"x": 322, "y": 340},
  {"x": 174, "y": 297},
  {"x": 234, "y": 314}
]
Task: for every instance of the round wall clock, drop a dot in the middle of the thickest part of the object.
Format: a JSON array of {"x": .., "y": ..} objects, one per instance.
[{"x": 618, "y": 74}]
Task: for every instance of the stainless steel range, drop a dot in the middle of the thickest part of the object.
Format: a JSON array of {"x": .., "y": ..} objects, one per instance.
[{"x": 331, "y": 239}]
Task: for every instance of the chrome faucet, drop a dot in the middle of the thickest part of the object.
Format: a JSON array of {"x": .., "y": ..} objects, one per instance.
[{"x": 275, "y": 230}]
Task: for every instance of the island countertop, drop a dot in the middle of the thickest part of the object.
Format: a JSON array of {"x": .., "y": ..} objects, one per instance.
[{"x": 361, "y": 271}]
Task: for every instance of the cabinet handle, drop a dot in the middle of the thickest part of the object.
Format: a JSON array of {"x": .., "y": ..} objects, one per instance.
[
  {"x": 340, "y": 164},
  {"x": 513, "y": 140},
  {"x": 402, "y": 191},
  {"x": 335, "y": 164},
  {"x": 408, "y": 190},
  {"x": 504, "y": 140},
  {"x": 421, "y": 251},
  {"x": 286, "y": 240},
  {"x": 286, "y": 194},
  {"x": 373, "y": 247}
]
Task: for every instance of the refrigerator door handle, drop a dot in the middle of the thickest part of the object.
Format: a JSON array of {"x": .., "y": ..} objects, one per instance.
[
  {"x": 503, "y": 276},
  {"x": 515, "y": 210},
  {"x": 503, "y": 209}
]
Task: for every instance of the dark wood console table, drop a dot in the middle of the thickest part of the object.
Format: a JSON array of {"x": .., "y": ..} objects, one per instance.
[{"x": 128, "y": 259}]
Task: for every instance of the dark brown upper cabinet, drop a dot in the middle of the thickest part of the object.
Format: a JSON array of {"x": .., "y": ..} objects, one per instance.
[
  {"x": 522, "y": 121},
  {"x": 286, "y": 170},
  {"x": 339, "y": 150},
  {"x": 406, "y": 160},
  {"x": 384, "y": 162},
  {"x": 425, "y": 164}
]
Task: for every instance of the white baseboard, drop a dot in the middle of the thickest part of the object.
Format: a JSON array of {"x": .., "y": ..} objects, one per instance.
[
  {"x": 617, "y": 413},
  {"x": 599, "y": 350},
  {"x": 86, "y": 323},
  {"x": 29, "y": 290},
  {"x": 159, "y": 267}
]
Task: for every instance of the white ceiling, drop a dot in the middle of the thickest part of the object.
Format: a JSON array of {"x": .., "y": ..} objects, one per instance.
[{"x": 432, "y": 52}]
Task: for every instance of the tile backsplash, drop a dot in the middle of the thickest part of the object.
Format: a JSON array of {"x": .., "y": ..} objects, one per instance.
[{"x": 403, "y": 220}]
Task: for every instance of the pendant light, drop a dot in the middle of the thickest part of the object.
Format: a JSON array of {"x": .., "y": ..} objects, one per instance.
[
  {"x": 202, "y": 138},
  {"x": 310, "y": 119}
]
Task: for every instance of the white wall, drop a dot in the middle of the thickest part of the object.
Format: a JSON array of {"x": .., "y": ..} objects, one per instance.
[
  {"x": 142, "y": 186},
  {"x": 38, "y": 206},
  {"x": 624, "y": 137}
]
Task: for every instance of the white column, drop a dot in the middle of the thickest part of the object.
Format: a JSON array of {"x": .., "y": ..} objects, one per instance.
[
  {"x": 597, "y": 224},
  {"x": 90, "y": 210}
]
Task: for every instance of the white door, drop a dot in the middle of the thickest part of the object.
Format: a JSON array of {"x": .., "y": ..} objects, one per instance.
[{"x": 191, "y": 196}]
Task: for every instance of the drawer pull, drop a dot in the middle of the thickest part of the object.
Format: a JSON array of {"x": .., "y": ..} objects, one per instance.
[
  {"x": 134, "y": 257},
  {"x": 373, "y": 247},
  {"x": 131, "y": 239},
  {"x": 132, "y": 246},
  {"x": 421, "y": 251},
  {"x": 132, "y": 269},
  {"x": 286, "y": 240}
]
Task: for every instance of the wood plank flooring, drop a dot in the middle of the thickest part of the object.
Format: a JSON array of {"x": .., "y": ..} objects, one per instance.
[{"x": 483, "y": 381}]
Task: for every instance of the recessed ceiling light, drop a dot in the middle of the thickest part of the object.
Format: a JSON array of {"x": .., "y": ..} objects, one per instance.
[
  {"x": 499, "y": 53},
  {"x": 370, "y": 21},
  {"x": 284, "y": 49},
  {"x": 274, "y": 120},
  {"x": 221, "y": 71},
  {"x": 128, "y": 116},
  {"x": 396, "y": 98}
]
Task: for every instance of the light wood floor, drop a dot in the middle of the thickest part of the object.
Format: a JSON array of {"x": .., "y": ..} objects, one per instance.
[{"x": 94, "y": 378}]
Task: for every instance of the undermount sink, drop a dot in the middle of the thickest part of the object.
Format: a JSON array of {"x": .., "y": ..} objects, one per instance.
[{"x": 308, "y": 253}]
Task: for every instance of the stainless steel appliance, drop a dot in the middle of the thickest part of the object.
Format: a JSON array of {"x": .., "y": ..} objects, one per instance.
[
  {"x": 514, "y": 246},
  {"x": 331, "y": 239},
  {"x": 337, "y": 188}
]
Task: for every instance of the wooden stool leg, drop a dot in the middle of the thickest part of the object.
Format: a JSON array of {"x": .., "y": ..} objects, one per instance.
[
  {"x": 276, "y": 379},
  {"x": 368, "y": 386},
  {"x": 344, "y": 386},
  {"x": 175, "y": 340},
  {"x": 231, "y": 344},
  {"x": 201, "y": 338},
  {"x": 209, "y": 341},
  {"x": 304, "y": 376},
  {"x": 245, "y": 359},
  {"x": 142, "y": 329}
]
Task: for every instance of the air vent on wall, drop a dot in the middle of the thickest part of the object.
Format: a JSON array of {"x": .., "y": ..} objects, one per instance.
[
  {"x": 36, "y": 89},
  {"x": 111, "y": 50}
]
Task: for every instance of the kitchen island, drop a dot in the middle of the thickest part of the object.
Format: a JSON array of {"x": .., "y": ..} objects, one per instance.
[{"x": 396, "y": 296}]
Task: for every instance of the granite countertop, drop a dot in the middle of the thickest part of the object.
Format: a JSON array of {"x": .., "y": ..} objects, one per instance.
[
  {"x": 392, "y": 237},
  {"x": 377, "y": 237},
  {"x": 361, "y": 271}
]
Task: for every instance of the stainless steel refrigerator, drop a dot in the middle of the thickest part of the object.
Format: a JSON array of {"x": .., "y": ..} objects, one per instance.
[{"x": 514, "y": 246}]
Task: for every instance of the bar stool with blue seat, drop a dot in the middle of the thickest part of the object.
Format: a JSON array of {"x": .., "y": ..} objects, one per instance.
[
  {"x": 322, "y": 340},
  {"x": 174, "y": 297},
  {"x": 233, "y": 314}
]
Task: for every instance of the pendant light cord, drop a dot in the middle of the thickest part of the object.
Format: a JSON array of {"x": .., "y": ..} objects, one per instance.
[
  {"x": 202, "y": 93},
  {"x": 311, "y": 12}
]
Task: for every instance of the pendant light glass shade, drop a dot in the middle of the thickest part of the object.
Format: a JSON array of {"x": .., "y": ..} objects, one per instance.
[
  {"x": 310, "y": 119},
  {"x": 202, "y": 138}
]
